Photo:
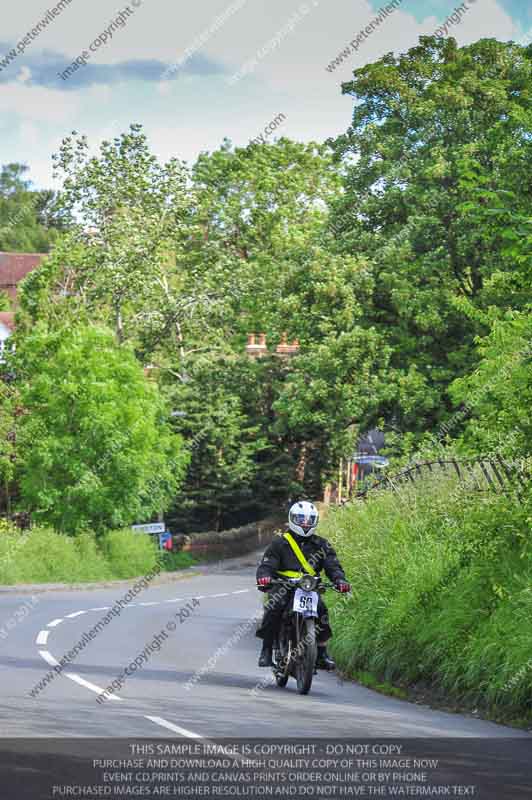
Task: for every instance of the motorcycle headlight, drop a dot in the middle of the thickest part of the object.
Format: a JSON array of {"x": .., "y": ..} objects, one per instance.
[{"x": 307, "y": 583}]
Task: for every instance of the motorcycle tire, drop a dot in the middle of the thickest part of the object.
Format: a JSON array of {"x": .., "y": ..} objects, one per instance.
[
  {"x": 281, "y": 678},
  {"x": 307, "y": 660}
]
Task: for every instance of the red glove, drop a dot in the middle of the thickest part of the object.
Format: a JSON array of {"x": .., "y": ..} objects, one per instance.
[
  {"x": 263, "y": 583},
  {"x": 343, "y": 586}
]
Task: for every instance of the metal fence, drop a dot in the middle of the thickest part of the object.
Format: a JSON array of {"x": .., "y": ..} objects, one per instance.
[{"x": 482, "y": 474}]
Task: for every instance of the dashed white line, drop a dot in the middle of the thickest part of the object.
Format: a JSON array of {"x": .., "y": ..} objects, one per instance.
[
  {"x": 42, "y": 638},
  {"x": 48, "y": 657},
  {"x": 175, "y": 728},
  {"x": 92, "y": 686}
]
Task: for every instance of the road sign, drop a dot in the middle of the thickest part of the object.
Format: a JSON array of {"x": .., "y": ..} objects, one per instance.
[
  {"x": 150, "y": 527},
  {"x": 375, "y": 461},
  {"x": 165, "y": 541}
]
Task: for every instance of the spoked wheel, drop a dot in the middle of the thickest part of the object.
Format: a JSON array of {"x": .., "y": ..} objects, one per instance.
[
  {"x": 281, "y": 677},
  {"x": 306, "y": 656}
]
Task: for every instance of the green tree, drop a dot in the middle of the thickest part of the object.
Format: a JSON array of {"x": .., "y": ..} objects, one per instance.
[
  {"x": 95, "y": 448},
  {"x": 120, "y": 259},
  {"x": 215, "y": 413},
  {"x": 27, "y": 220},
  {"x": 258, "y": 209},
  {"x": 263, "y": 210},
  {"x": 437, "y": 134},
  {"x": 498, "y": 394}
]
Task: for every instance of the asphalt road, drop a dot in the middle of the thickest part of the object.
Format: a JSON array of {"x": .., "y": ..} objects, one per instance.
[{"x": 159, "y": 700}]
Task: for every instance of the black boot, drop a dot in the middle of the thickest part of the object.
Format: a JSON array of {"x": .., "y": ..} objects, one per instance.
[
  {"x": 324, "y": 661},
  {"x": 265, "y": 658}
]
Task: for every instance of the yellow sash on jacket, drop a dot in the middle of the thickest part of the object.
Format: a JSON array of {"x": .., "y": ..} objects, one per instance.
[{"x": 308, "y": 568}]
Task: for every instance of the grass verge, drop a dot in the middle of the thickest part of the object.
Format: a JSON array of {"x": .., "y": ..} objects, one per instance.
[{"x": 442, "y": 596}]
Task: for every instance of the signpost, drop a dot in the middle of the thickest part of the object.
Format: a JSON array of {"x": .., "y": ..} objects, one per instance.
[
  {"x": 364, "y": 464},
  {"x": 150, "y": 527},
  {"x": 159, "y": 529},
  {"x": 375, "y": 461}
]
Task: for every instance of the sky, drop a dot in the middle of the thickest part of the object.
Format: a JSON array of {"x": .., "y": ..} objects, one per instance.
[{"x": 195, "y": 73}]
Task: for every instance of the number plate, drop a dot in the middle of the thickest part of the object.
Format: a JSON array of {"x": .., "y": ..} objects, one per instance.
[{"x": 306, "y": 603}]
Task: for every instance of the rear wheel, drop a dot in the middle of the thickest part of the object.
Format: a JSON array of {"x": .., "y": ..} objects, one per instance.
[{"x": 307, "y": 654}]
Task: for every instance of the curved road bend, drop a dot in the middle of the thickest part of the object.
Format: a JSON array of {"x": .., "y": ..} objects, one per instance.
[{"x": 155, "y": 701}]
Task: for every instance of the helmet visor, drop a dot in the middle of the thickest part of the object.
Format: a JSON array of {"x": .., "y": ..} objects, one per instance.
[{"x": 303, "y": 520}]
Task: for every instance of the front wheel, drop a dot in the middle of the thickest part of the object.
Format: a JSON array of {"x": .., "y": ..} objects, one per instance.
[
  {"x": 281, "y": 680},
  {"x": 280, "y": 672},
  {"x": 307, "y": 655}
]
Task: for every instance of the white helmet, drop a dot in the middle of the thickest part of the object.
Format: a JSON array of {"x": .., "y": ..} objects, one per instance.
[{"x": 303, "y": 518}]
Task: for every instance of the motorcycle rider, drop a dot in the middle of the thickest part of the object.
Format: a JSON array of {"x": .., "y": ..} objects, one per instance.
[{"x": 297, "y": 551}]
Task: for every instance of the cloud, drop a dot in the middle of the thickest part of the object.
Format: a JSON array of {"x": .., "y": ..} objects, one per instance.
[
  {"x": 197, "y": 108},
  {"x": 44, "y": 69}
]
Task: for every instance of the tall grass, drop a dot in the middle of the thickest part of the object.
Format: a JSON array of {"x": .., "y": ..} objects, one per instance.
[{"x": 442, "y": 593}]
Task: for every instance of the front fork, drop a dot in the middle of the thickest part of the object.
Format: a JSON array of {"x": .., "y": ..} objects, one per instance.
[{"x": 285, "y": 663}]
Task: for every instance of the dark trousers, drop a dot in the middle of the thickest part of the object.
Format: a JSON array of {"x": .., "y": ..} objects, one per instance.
[{"x": 278, "y": 598}]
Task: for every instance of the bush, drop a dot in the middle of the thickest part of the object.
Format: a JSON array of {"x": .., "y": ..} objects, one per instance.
[
  {"x": 42, "y": 555},
  {"x": 129, "y": 554},
  {"x": 441, "y": 593},
  {"x": 174, "y": 561}
]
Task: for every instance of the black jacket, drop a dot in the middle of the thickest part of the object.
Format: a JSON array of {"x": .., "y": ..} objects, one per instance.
[{"x": 317, "y": 550}]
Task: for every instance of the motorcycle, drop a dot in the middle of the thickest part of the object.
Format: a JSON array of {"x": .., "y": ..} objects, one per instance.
[{"x": 295, "y": 649}]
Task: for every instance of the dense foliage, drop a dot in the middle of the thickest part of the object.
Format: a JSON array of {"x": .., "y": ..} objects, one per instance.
[
  {"x": 96, "y": 447},
  {"x": 443, "y": 147},
  {"x": 28, "y": 221},
  {"x": 398, "y": 256}
]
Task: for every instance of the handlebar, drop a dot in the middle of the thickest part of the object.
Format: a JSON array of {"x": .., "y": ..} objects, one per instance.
[{"x": 293, "y": 581}]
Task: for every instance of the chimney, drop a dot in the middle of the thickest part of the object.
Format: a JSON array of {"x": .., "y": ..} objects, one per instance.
[
  {"x": 256, "y": 349},
  {"x": 284, "y": 349}
]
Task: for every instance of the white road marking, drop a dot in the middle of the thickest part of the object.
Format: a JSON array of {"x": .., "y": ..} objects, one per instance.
[
  {"x": 42, "y": 638},
  {"x": 87, "y": 685},
  {"x": 175, "y": 728},
  {"x": 48, "y": 657}
]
